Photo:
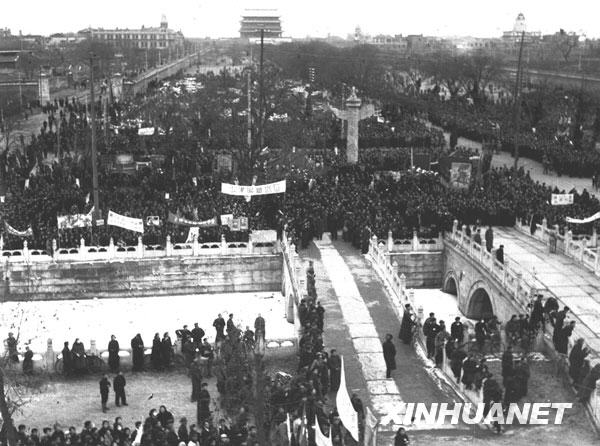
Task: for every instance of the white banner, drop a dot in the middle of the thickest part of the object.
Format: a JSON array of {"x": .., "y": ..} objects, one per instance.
[
  {"x": 226, "y": 219},
  {"x": 133, "y": 224},
  {"x": 146, "y": 131},
  {"x": 75, "y": 220},
  {"x": 561, "y": 199},
  {"x": 265, "y": 189},
  {"x": 348, "y": 415},
  {"x": 578, "y": 221}
]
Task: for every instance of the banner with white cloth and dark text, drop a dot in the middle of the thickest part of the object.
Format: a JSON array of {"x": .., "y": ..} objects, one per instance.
[
  {"x": 265, "y": 189},
  {"x": 132, "y": 224}
]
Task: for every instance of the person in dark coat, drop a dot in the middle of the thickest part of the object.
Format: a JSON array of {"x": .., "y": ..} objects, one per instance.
[
  {"x": 489, "y": 239},
  {"x": 588, "y": 384},
  {"x": 500, "y": 254},
  {"x": 401, "y": 438},
  {"x": 335, "y": 370},
  {"x": 78, "y": 355},
  {"x": 537, "y": 313},
  {"x": 113, "y": 354},
  {"x": 219, "y": 324},
  {"x": 137, "y": 353},
  {"x": 407, "y": 325},
  {"x": 230, "y": 324},
  {"x": 469, "y": 371},
  {"x": 197, "y": 334},
  {"x": 562, "y": 343},
  {"x": 155, "y": 356},
  {"x": 456, "y": 362},
  {"x": 104, "y": 388},
  {"x": 457, "y": 330},
  {"x": 166, "y": 351},
  {"x": 203, "y": 407},
  {"x": 389, "y": 355},
  {"x": 507, "y": 364},
  {"x": 28, "y": 361},
  {"x": 119, "y": 389},
  {"x": 481, "y": 334},
  {"x": 430, "y": 330},
  {"x": 576, "y": 358},
  {"x": 183, "y": 432},
  {"x": 196, "y": 378},
  {"x": 165, "y": 417},
  {"x": 67, "y": 360}
]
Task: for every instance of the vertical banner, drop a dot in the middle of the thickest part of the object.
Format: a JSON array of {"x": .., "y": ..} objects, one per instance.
[{"x": 370, "y": 428}]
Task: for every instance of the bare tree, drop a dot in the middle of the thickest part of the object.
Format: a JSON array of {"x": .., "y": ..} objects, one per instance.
[{"x": 564, "y": 43}]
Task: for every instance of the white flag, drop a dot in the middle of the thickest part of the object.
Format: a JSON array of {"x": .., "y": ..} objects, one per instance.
[
  {"x": 192, "y": 234},
  {"x": 348, "y": 415},
  {"x": 87, "y": 198},
  {"x": 77, "y": 182},
  {"x": 27, "y": 183},
  {"x": 320, "y": 438}
]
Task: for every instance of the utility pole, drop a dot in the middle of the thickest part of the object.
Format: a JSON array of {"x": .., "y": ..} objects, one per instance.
[
  {"x": 261, "y": 94},
  {"x": 517, "y": 104},
  {"x": 249, "y": 111},
  {"x": 94, "y": 154}
]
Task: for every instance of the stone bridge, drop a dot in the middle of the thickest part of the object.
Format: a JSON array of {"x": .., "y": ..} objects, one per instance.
[{"x": 483, "y": 286}]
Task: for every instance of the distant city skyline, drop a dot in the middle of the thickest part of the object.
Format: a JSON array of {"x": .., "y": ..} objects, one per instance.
[{"x": 221, "y": 18}]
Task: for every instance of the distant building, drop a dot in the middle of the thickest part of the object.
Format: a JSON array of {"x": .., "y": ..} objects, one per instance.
[
  {"x": 9, "y": 61},
  {"x": 60, "y": 39},
  {"x": 5, "y": 33},
  {"x": 520, "y": 26},
  {"x": 145, "y": 38},
  {"x": 256, "y": 20}
]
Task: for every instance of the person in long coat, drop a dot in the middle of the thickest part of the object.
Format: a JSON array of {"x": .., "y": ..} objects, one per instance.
[
  {"x": 335, "y": 370},
  {"x": 389, "y": 355},
  {"x": 576, "y": 358},
  {"x": 196, "y": 377},
  {"x": 67, "y": 359},
  {"x": 78, "y": 354},
  {"x": 166, "y": 351},
  {"x": 203, "y": 406},
  {"x": 406, "y": 327},
  {"x": 113, "y": 354},
  {"x": 137, "y": 353},
  {"x": 155, "y": 356}
]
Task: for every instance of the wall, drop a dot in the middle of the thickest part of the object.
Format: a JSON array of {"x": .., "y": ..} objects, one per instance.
[
  {"x": 142, "y": 277},
  {"x": 422, "y": 269}
]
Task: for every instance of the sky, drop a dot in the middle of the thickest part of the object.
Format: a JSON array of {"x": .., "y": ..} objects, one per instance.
[{"x": 319, "y": 18}]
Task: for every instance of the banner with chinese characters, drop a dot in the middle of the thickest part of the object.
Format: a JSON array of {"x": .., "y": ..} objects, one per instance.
[
  {"x": 75, "y": 220},
  {"x": 460, "y": 175},
  {"x": 185, "y": 222},
  {"x": 265, "y": 189},
  {"x": 13, "y": 231},
  {"x": 132, "y": 224},
  {"x": 562, "y": 199}
]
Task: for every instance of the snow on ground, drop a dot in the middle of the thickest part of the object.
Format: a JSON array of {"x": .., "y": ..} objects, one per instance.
[
  {"x": 444, "y": 305},
  {"x": 124, "y": 317}
]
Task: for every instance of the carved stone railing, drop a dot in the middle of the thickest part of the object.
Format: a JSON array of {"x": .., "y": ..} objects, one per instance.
[
  {"x": 520, "y": 283},
  {"x": 415, "y": 244},
  {"x": 582, "y": 248},
  {"x": 84, "y": 253}
]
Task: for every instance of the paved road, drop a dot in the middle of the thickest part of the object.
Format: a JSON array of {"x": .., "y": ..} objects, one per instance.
[{"x": 572, "y": 284}]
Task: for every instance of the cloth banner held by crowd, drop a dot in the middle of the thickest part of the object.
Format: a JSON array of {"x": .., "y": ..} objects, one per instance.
[
  {"x": 176, "y": 220},
  {"x": 582, "y": 221},
  {"x": 265, "y": 189},
  {"x": 348, "y": 415},
  {"x": 12, "y": 231},
  {"x": 562, "y": 199},
  {"x": 264, "y": 236},
  {"x": 133, "y": 224},
  {"x": 320, "y": 438},
  {"x": 75, "y": 220},
  {"x": 226, "y": 219}
]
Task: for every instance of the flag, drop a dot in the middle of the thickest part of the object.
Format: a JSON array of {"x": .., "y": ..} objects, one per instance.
[
  {"x": 320, "y": 438},
  {"x": 34, "y": 171},
  {"x": 77, "y": 182},
  {"x": 26, "y": 184},
  {"x": 348, "y": 415},
  {"x": 87, "y": 198},
  {"x": 192, "y": 234},
  {"x": 288, "y": 422},
  {"x": 195, "y": 181},
  {"x": 371, "y": 423},
  {"x": 302, "y": 439}
]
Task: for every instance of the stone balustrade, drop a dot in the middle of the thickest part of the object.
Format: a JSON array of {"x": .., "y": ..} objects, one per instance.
[
  {"x": 583, "y": 248},
  {"x": 414, "y": 244},
  {"x": 83, "y": 253}
]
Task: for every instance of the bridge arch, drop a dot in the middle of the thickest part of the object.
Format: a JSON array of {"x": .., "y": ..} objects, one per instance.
[
  {"x": 480, "y": 304},
  {"x": 451, "y": 284}
]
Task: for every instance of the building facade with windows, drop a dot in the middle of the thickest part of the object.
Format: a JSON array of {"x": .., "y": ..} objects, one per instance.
[
  {"x": 255, "y": 20},
  {"x": 145, "y": 38}
]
